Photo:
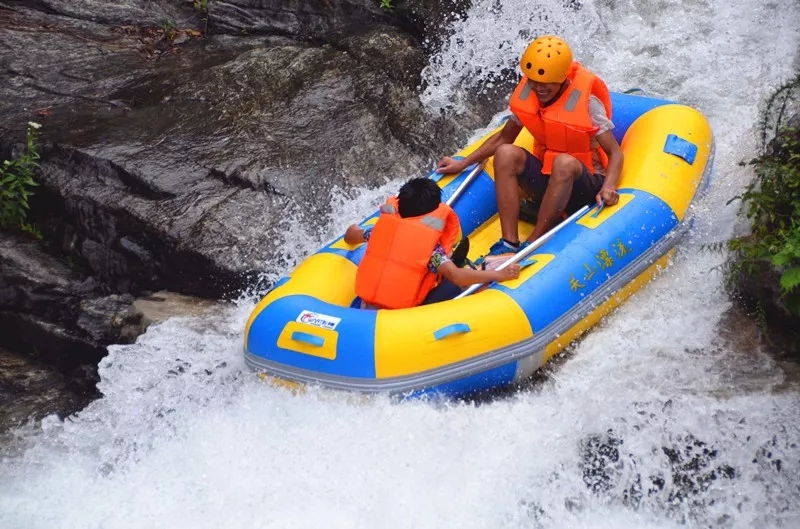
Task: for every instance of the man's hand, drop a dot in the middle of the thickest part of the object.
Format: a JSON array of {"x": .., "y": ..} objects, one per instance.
[
  {"x": 448, "y": 165},
  {"x": 607, "y": 196}
]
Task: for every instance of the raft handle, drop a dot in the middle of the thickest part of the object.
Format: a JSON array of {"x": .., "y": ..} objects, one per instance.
[
  {"x": 455, "y": 328},
  {"x": 310, "y": 339},
  {"x": 681, "y": 148}
]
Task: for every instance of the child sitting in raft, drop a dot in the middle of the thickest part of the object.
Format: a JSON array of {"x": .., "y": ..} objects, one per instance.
[{"x": 407, "y": 261}]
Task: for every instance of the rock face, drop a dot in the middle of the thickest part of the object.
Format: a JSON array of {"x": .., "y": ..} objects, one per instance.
[
  {"x": 48, "y": 307},
  {"x": 30, "y": 389},
  {"x": 177, "y": 140},
  {"x": 760, "y": 294},
  {"x": 61, "y": 321},
  {"x": 172, "y": 165}
]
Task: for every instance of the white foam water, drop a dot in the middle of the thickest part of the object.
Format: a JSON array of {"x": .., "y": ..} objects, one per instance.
[{"x": 652, "y": 420}]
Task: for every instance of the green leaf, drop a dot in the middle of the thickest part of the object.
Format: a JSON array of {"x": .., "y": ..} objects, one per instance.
[
  {"x": 781, "y": 259},
  {"x": 790, "y": 279}
]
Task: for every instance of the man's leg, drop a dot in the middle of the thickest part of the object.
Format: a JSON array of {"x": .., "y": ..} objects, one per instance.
[
  {"x": 509, "y": 162},
  {"x": 566, "y": 169}
]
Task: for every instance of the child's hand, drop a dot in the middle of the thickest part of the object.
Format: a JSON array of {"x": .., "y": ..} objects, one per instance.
[
  {"x": 354, "y": 235},
  {"x": 510, "y": 272}
]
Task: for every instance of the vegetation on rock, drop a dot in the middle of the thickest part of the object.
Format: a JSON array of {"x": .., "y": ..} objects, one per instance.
[
  {"x": 765, "y": 264},
  {"x": 17, "y": 183}
]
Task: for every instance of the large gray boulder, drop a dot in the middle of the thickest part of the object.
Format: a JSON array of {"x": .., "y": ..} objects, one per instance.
[
  {"x": 175, "y": 166},
  {"x": 178, "y": 145}
]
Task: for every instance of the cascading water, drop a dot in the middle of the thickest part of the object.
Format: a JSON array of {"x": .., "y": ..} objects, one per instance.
[{"x": 652, "y": 421}]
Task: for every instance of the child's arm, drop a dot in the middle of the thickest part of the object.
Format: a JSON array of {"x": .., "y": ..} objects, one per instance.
[
  {"x": 464, "y": 277},
  {"x": 354, "y": 235}
]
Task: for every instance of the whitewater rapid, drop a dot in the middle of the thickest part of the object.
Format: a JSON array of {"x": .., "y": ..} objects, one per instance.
[{"x": 653, "y": 420}]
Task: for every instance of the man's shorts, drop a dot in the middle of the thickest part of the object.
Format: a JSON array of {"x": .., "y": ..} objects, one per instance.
[{"x": 584, "y": 188}]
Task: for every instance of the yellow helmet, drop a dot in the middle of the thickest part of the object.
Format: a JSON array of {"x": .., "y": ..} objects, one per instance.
[{"x": 546, "y": 60}]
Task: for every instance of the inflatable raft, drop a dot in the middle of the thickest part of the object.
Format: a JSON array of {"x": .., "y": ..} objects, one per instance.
[{"x": 309, "y": 329}]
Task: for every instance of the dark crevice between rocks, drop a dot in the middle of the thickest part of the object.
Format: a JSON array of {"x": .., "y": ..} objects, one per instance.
[
  {"x": 91, "y": 99},
  {"x": 103, "y": 171}
]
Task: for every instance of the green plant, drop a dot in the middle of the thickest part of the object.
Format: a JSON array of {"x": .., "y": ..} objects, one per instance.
[
  {"x": 387, "y": 5},
  {"x": 17, "y": 183},
  {"x": 168, "y": 27},
  {"x": 201, "y": 6},
  {"x": 772, "y": 202}
]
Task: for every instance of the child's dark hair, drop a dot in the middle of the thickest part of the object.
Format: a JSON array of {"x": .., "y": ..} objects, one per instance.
[{"x": 418, "y": 196}]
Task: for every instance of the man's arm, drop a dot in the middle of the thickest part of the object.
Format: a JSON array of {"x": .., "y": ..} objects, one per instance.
[
  {"x": 507, "y": 134},
  {"x": 608, "y": 194}
]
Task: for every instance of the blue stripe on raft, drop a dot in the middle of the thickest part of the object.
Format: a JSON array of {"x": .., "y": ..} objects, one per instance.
[
  {"x": 499, "y": 376},
  {"x": 585, "y": 258},
  {"x": 355, "y": 349},
  {"x": 626, "y": 108},
  {"x": 280, "y": 281},
  {"x": 477, "y": 203}
]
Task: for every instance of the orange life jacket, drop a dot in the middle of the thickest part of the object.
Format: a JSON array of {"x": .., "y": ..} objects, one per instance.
[
  {"x": 564, "y": 126},
  {"x": 394, "y": 271}
]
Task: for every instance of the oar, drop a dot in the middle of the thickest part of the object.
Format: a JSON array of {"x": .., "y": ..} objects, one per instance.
[
  {"x": 519, "y": 256},
  {"x": 467, "y": 181}
]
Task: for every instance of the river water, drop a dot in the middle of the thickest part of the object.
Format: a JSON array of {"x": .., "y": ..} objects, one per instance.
[{"x": 654, "y": 420}]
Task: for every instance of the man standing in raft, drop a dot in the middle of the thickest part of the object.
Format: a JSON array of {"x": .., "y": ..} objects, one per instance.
[{"x": 576, "y": 160}]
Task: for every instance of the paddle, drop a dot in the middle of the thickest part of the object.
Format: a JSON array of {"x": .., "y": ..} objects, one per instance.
[
  {"x": 519, "y": 256},
  {"x": 467, "y": 181}
]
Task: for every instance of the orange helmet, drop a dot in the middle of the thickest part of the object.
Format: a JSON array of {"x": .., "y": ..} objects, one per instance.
[{"x": 546, "y": 60}]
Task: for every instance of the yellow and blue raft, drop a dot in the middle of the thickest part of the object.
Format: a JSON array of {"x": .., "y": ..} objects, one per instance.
[{"x": 309, "y": 329}]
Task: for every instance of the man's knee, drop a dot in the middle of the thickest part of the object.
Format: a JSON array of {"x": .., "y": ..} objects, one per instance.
[
  {"x": 509, "y": 156},
  {"x": 566, "y": 167}
]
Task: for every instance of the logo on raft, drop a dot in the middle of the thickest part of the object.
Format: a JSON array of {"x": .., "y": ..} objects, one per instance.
[{"x": 318, "y": 320}]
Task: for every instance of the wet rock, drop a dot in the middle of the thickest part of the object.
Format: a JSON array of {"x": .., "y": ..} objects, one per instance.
[
  {"x": 430, "y": 20},
  {"x": 178, "y": 145},
  {"x": 684, "y": 488},
  {"x": 178, "y": 174},
  {"x": 694, "y": 468},
  {"x": 160, "y": 306},
  {"x": 55, "y": 312},
  {"x": 121, "y": 12},
  {"x": 56, "y": 325},
  {"x": 318, "y": 20},
  {"x": 601, "y": 461},
  {"x": 30, "y": 390}
]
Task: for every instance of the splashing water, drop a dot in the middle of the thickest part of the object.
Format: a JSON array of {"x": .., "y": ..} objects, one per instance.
[{"x": 653, "y": 420}]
